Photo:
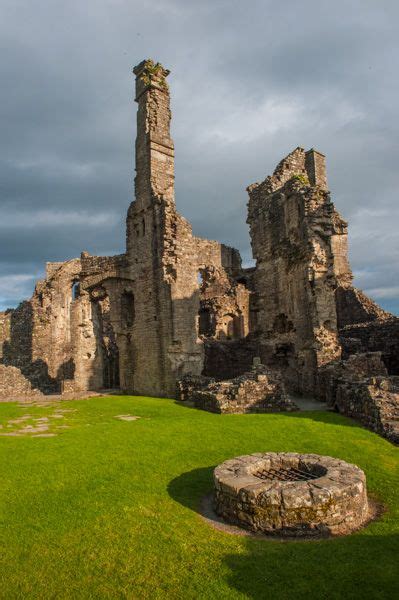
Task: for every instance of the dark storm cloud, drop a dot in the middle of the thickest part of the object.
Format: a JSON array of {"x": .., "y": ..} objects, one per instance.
[{"x": 249, "y": 82}]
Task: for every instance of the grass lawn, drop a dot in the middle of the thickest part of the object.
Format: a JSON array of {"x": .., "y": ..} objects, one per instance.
[{"x": 108, "y": 508}]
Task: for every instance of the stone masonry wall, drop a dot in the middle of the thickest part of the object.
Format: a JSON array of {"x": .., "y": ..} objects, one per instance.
[
  {"x": 164, "y": 258},
  {"x": 292, "y": 224},
  {"x": 375, "y": 336},
  {"x": 14, "y": 385},
  {"x": 359, "y": 387},
  {"x": 354, "y": 307},
  {"x": 257, "y": 391},
  {"x": 40, "y": 339}
]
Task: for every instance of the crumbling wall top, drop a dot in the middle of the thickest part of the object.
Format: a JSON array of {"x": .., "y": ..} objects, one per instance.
[
  {"x": 150, "y": 74},
  {"x": 308, "y": 168}
]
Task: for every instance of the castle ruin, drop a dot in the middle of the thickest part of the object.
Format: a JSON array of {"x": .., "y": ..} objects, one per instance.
[{"x": 175, "y": 305}]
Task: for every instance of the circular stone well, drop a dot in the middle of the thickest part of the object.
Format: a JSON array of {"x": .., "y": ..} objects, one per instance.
[{"x": 291, "y": 494}]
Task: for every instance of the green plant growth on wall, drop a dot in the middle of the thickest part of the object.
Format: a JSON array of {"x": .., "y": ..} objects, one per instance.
[
  {"x": 153, "y": 71},
  {"x": 302, "y": 178}
]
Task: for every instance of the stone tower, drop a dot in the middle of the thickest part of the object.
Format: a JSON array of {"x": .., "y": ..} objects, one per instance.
[{"x": 160, "y": 253}]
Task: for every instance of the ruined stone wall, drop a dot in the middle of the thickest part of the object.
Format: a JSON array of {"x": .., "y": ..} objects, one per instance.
[
  {"x": 224, "y": 311},
  {"x": 40, "y": 331},
  {"x": 130, "y": 320},
  {"x": 360, "y": 388},
  {"x": 375, "y": 336},
  {"x": 54, "y": 337},
  {"x": 257, "y": 391},
  {"x": 353, "y": 307},
  {"x": 292, "y": 225},
  {"x": 165, "y": 260},
  {"x": 228, "y": 359},
  {"x": 224, "y": 306},
  {"x": 14, "y": 385}
]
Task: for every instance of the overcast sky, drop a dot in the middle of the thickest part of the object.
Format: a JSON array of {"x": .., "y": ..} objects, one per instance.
[{"x": 250, "y": 81}]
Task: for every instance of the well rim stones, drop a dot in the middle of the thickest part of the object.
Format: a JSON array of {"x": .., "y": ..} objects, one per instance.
[{"x": 329, "y": 497}]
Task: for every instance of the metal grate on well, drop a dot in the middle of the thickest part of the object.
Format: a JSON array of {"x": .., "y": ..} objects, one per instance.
[{"x": 282, "y": 474}]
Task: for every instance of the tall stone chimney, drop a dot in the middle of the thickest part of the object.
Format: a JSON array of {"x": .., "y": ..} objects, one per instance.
[
  {"x": 149, "y": 227},
  {"x": 154, "y": 147}
]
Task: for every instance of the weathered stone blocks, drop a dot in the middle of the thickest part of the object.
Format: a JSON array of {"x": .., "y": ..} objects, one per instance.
[{"x": 258, "y": 391}]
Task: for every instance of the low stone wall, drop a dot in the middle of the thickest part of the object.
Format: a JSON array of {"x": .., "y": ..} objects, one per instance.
[
  {"x": 188, "y": 384},
  {"x": 258, "y": 391},
  {"x": 14, "y": 385},
  {"x": 376, "y": 336},
  {"x": 291, "y": 494},
  {"x": 360, "y": 388},
  {"x": 374, "y": 402}
]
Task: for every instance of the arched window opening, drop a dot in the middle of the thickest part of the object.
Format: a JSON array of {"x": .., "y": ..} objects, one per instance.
[
  {"x": 206, "y": 322},
  {"x": 128, "y": 311},
  {"x": 75, "y": 290},
  {"x": 230, "y": 327}
]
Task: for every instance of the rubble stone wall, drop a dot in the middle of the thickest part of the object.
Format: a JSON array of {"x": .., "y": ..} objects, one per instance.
[
  {"x": 375, "y": 336},
  {"x": 353, "y": 307},
  {"x": 14, "y": 385},
  {"x": 258, "y": 391},
  {"x": 361, "y": 388},
  {"x": 40, "y": 331},
  {"x": 292, "y": 224}
]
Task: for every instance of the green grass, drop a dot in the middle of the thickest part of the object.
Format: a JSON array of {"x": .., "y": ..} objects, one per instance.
[{"x": 108, "y": 509}]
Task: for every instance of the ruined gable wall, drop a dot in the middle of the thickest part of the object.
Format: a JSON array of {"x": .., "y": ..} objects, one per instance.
[
  {"x": 291, "y": 224},
  {"x": 53, "y": 338}
]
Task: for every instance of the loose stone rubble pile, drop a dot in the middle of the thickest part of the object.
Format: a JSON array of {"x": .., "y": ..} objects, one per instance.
[
  {"x": 258, "y": 391},
  {"x": 291, "y": 494}
]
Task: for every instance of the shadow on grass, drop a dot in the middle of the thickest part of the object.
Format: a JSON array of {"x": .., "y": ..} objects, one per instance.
[
  {"x": 189, "y": 488},
  {"x": 362, "y": 565},
  {"x": 356, "y": 566}
]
